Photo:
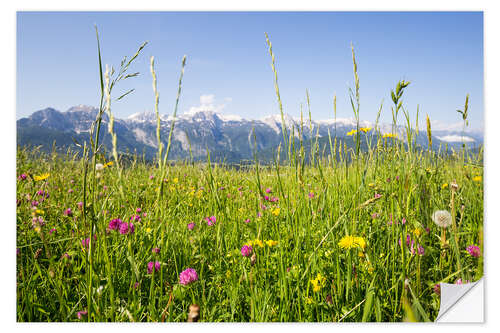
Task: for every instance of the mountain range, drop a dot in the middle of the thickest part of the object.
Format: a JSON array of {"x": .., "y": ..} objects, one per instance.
[{"x": 227, "y": 137}]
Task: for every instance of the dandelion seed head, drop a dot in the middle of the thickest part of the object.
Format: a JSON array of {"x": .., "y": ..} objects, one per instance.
[{"x": 442, "y": 218}]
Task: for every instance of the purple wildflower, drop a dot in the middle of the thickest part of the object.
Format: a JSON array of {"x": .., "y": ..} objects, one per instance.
[
  {"x": 459, "y": 281},
  {"x": 80, "y": 314},
  {"x": 123, "y": 228},
  {"x": 403, "y": 221},
  {"x": 114, "y": 224},
  {"x": 268, "y": 190},
  {"x": 474, "y": 250},
  {"x": 85, "y": 242},
  {"x": 211, "y": 220},
  {"x": 68, "y": 212},
  {"x": 420, "y": 250},
  {"x": 247, "y": 220},
  {"x": 22, "y": 176},
  {"x": 51, "y": 231},
  {"x": 311, "y": 195},
  {"x": 188, "y": 276},
  {"x": 70, "y": 190},
  {"x": 246, "y": 251},
  {"x": 151, "y": 176},
  {"x": 437, "y": 289},
  {"x": 80, "y": 205},
  {"x": 138, "y": 210},
  {"x": 376, "y": 196},
  {"x": 374, "y": 215},
  {"x": 191, "y": 226},
  {"x": 34, "y": 203},
  {"x": 156, "y": 266},
  {"x": 156, "y": 250},
  {"x": 38, "y": 221}
]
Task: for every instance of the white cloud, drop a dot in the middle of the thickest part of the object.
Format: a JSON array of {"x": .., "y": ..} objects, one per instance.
[
  {"x": 207, "y": 99},
  {"x": 208, "y": 103},
  {"x": 455, "y": 138}
]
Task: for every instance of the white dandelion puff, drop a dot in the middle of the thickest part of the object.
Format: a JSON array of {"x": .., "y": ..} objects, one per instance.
[
  {"x": 442, "y": 218},
  {"x": 99, "y": 167}
]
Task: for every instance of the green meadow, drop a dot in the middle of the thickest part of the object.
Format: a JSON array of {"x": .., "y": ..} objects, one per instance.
[{"x": 345, "y": 237}]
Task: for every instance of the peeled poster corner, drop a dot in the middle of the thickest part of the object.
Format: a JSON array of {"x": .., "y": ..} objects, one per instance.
[{"x": 462, "y": 303}]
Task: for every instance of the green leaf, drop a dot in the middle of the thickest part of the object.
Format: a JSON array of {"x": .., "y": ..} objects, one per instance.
[
  {"x": 369, "y": 301},
  {"x": 125, "y": 94},
  {"x": 134, "y": 267}
]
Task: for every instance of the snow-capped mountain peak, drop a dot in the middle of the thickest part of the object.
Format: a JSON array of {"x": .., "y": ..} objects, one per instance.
[{"x": 145, "y": 116}]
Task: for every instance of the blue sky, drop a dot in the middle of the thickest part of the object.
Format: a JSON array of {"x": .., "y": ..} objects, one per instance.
[{"x": 228, "y": 64}]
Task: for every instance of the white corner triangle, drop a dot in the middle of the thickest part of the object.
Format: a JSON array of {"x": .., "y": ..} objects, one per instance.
[{"x": 462, "y": 303}]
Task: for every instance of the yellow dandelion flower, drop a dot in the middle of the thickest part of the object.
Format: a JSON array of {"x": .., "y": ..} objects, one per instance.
[
  {"x": 390, "y": 135},
  {"x": 417, "y": 232},
  {"x": 365, "y": 129},
  {"x": 360, "y": 242},
  {"x": 371, "y": 185},
  {"x": 40, "y": 212},
  {"x": 351, "y": 133},
  {"x": 276, "y": 211},
  {"x": 361, "y": 254},
  {"x": 176, "y": 180},
  {"x": 309, "y": 300},
  {"x": 349, "y": 242},
  {"x": 318, "y": 282},
  {"x": 477, "y": 179},
  {"x": 255, "y": 242},
  {"x": 444, "y": 186},
  {"x": 241, "y": 209},
  {"x": 271, "y": 242},
  {"x": 41, "y": 177},
  {"x": 108, "y": 164},
  {"x": 148, "y": 230}
]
